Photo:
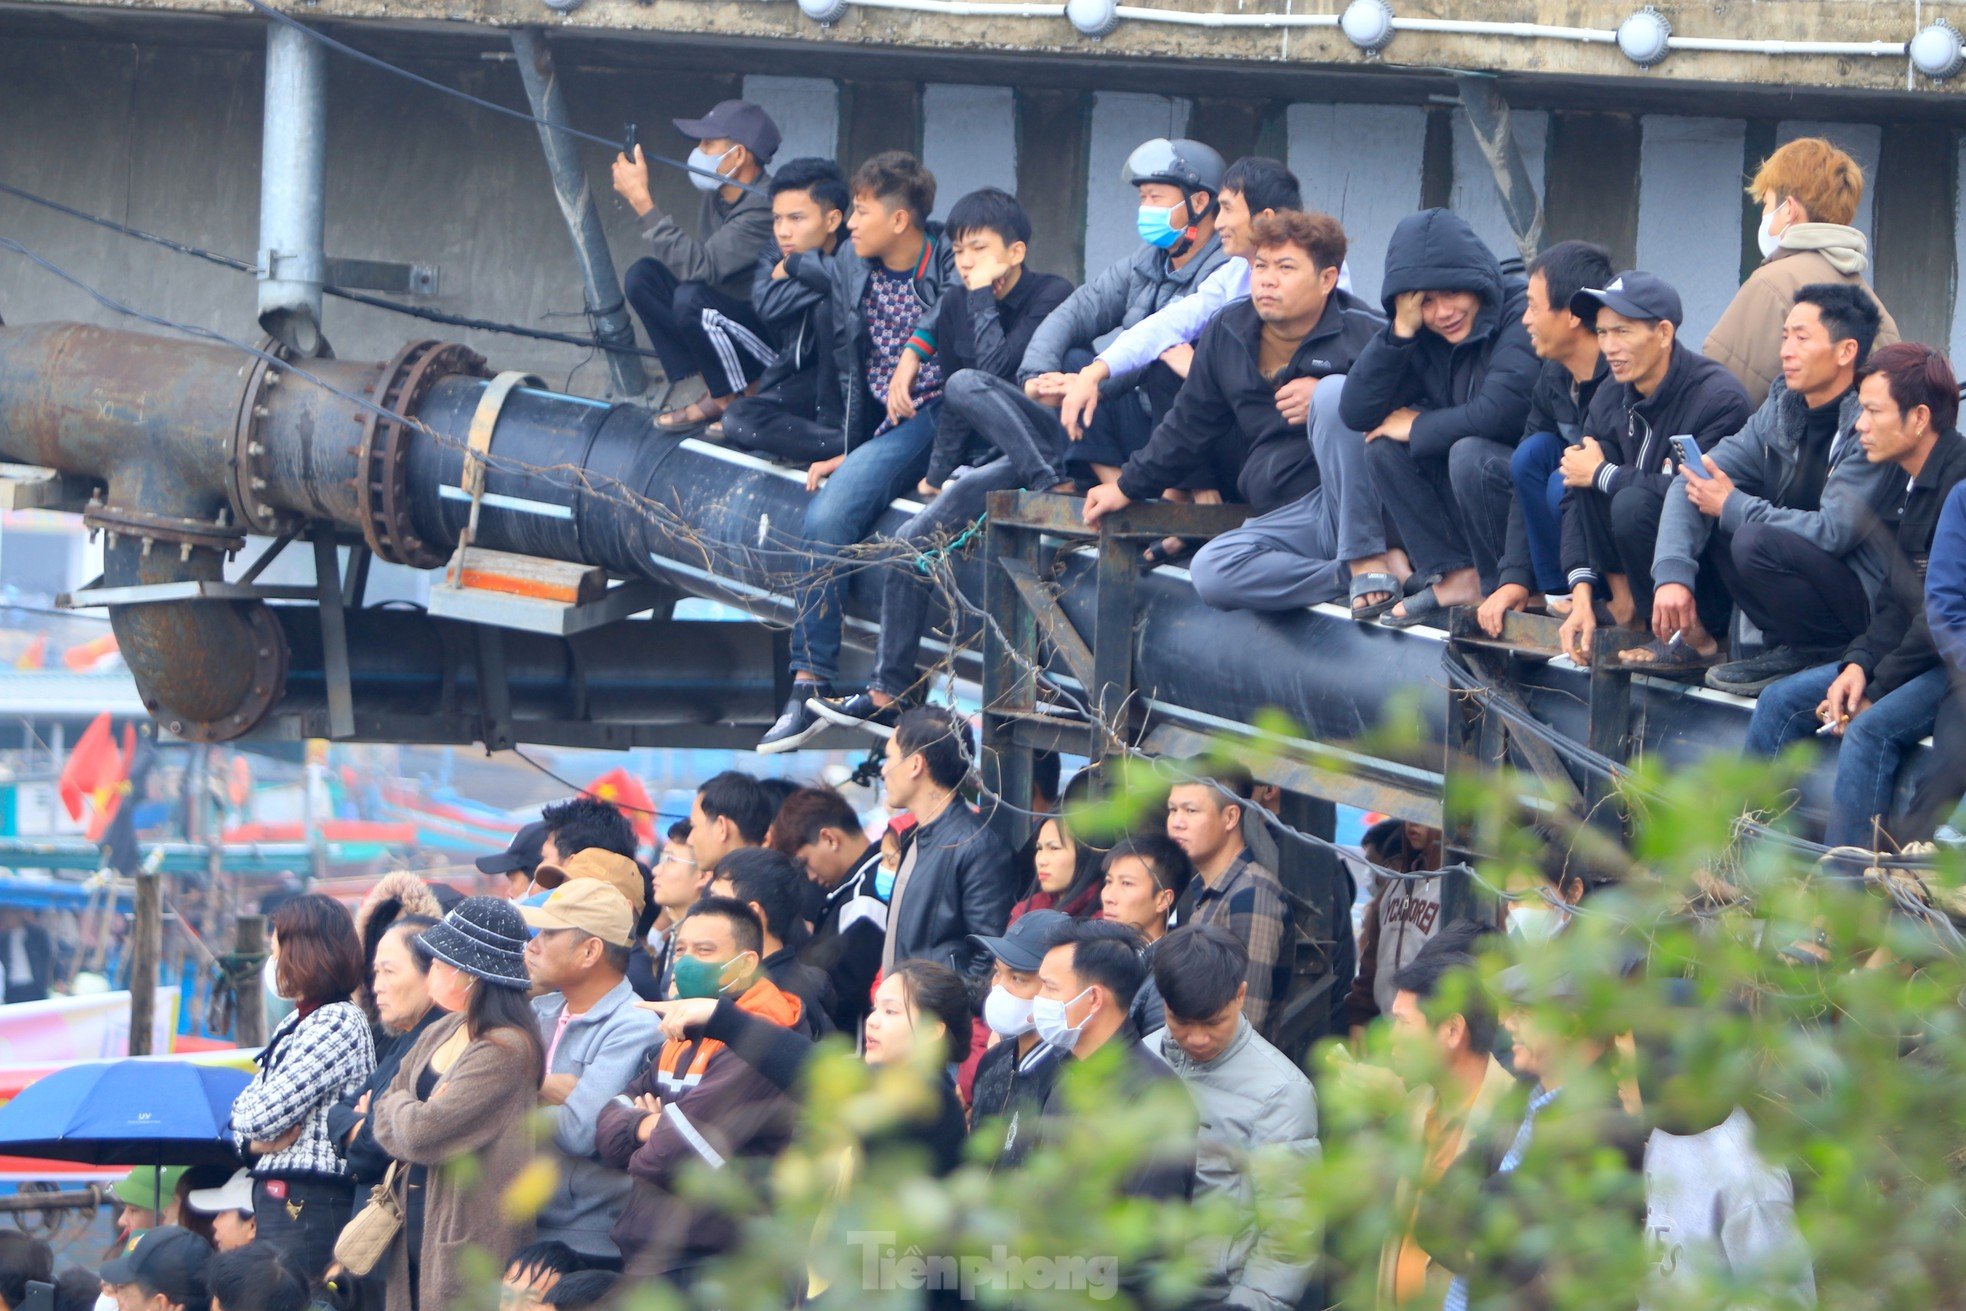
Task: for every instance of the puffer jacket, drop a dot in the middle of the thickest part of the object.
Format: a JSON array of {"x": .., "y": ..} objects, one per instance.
[
  {"x": 1477, "y": 388},
  {"x": 842, "y": 278},
  {"x": 716, "y": 1107},
  {"x": 1763, "y": 459},
  {"x": 1258, "y": 1116},
  {"x": 1121, "y": 296},
  {"x": 1748, "y": 339}
]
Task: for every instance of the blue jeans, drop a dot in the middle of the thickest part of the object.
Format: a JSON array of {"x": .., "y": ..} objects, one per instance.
[
  {"x": 1873, "y": 746},
  {"x": 1539, "y": 490},
  {"x": 840, "y": 515}
]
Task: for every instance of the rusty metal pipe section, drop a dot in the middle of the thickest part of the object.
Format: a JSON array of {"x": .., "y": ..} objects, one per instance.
[{"x": 194, "y": 446}]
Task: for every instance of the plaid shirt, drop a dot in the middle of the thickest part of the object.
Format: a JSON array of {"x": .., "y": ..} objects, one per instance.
[
  {"x": 308, "y": 1065},
  {"x": 1248, "y": 902}
]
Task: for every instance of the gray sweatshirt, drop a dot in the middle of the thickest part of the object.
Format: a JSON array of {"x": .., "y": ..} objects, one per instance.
[{"x": 1715, "y": 1210}]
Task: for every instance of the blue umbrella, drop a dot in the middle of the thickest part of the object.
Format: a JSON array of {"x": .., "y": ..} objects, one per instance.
[{"x": 126, "y": 1113}]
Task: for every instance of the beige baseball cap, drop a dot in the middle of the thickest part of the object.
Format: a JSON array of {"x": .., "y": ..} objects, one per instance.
[
  {"x": 589, "y": 905},
  {"x": 611, "y": 868}
]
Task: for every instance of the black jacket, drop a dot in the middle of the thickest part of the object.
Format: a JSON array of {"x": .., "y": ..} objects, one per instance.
[
  {"x": 1697, "y": 397},
  {"x": 975, "y": 330},
  {"x": 811, "y": 986},
  {"x": 1557, "y": 404},
  {"x": 1478, "y": 388},
  {"x": 800, "y": 315},
  {"x": 842, "y": 278},
  {"x": 961, "y": 883},
  {"x": 1898, "y": 647},
  {"x": 850, "y": 957},
  {"x": 1226, "y": 399},
  {"x": 367, "y": 1162}
]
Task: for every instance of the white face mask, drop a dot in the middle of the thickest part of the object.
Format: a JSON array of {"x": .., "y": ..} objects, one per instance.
[
  {"x": 1048, "y": 1016},
  {"x": 1007, "y": 1014},
  {"x": 698, "y": 158},
  {"x": 1537, "y": 923},
  {"x": 1765, "y": 237}
]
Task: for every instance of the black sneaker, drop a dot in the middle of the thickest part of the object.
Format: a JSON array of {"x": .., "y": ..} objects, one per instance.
[
  {"x": 1747, "y": 677},
  {"x": 796, "y": 726},
  {"x": 858, "y": 711}
]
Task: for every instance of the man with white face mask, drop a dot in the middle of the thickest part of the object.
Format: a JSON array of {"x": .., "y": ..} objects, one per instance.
[
  {"x": 1086, "y": 986},
  {"x": 711, "y": 271},
  {"x": 1014, "y": 1077},
  {"x": 1808, "y": 193}
]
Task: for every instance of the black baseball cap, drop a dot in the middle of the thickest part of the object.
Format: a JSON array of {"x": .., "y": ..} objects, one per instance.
[
  {"x": 523, "y": 856},
  {"x": 1023, "y": 944},
  {"x": 167, "y": 1260},
  {"x": 735, "y": 120},
  {"x": 1634, "y": 293}
]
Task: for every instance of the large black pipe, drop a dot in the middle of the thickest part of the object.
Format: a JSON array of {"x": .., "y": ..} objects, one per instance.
[{"x": 577, "y": 480}]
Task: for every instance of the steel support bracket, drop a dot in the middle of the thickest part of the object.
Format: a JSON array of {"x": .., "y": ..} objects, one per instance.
[
  {"x": 383, "y": 275},
  {"x": 94, "y": 596},
  {"x": 334, "y": 637}
]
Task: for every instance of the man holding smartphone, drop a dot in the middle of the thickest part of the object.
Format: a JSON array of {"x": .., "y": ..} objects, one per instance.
[
  {"x": 1788, "y": 503},
  {"x": 1620, "y": 473}
]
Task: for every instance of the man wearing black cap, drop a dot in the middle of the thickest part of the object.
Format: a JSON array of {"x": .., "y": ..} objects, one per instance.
[
  {"x": 164, "y": 1270},
  {"x": 687, "y": 275},
  {"x": 518, "y": 861},
  {"x": 1014, "y": 1076},
  {"x": 1619, "y": 474}
]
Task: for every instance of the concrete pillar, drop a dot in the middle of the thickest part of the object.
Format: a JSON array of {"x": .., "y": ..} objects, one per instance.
[
  {"x": 1959, "y": 261},
  {"x": 1052, "y": 131},
  {"x": 1363, "y": 165},
  {"x": 1914, "y": 229},
  {"x": 1757, "y": 143},
  {"x": 806, "y": 109},
  {"x": 293, "y": 189},
  {"x": 1594, "y": 183},
  {"x": 878, "y": 116},
  {"x": 1437, "y": 159},
  {"x": 1689, "y": 201},
  {"x": 969, "y": 139}
]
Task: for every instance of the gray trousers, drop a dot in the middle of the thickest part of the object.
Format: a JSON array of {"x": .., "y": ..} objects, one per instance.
[{"x": 1296, "y": 554}]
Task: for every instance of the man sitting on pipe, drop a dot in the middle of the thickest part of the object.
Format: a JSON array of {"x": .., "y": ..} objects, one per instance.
[{"x": 687, "y": 276}]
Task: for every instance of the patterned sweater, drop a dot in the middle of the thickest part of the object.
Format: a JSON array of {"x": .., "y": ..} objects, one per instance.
[{"x": 307, "y": 1066}]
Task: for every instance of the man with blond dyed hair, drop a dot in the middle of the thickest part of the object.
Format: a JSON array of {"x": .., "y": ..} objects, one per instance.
[{"x": 1808, "y": 191}]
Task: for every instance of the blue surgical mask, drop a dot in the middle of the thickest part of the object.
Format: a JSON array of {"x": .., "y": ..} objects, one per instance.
[
  {"x": 1156, "y": 227},
  {"x": 699, "y": 158}
]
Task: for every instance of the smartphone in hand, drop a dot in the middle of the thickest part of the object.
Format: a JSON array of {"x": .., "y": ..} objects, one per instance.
[{"x": 1689, "y": 455}]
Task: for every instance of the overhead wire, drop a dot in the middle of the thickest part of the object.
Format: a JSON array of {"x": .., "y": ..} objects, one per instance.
[
  {"x": 373, "y": 61},
  {"x": 591, "y": 342}
]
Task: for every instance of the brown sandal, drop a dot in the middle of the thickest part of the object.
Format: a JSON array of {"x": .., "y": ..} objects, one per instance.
[{"x": 692, "y": 417}]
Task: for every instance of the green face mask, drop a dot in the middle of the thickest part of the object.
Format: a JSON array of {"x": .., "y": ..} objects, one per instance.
[{"x": 698, "y": 978}]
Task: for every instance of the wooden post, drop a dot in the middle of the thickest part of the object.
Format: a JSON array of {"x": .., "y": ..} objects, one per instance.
[
  {"x": 249, "y": 1019},
  {"x": 146, "y": 933}
]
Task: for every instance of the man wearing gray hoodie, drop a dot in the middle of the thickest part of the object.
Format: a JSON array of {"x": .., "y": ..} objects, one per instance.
[{"x": 1808, "y": 193}]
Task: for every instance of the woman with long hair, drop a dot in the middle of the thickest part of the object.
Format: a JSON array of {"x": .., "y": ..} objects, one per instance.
[
  {"x": 467, "y": 1088},
  {"x": 1067, "y": 873},
  {"x": 321, "y": 1052}
]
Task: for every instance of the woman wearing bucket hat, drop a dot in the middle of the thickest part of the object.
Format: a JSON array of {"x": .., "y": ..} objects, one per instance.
[{"x": 467, "y": 1088}]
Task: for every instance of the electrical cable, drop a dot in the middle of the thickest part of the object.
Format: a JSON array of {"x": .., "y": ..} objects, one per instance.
[
  {"x": 585, "y": 792},
  {"x": 591, "y": 342},
  {"x": 342, "y": 47}
]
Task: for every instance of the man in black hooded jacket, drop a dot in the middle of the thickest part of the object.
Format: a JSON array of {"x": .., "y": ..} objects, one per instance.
[
  {"x": 1441, "y": 396},
  {"x": 1260, "y": 407}
]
